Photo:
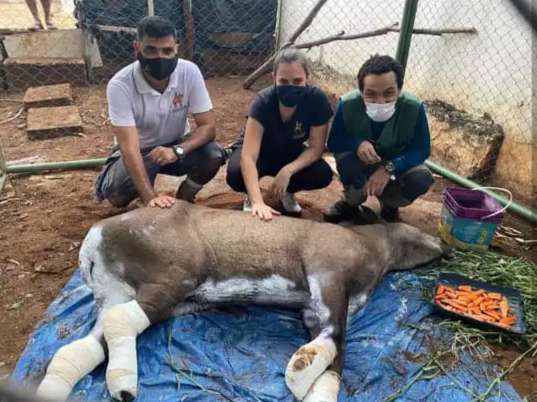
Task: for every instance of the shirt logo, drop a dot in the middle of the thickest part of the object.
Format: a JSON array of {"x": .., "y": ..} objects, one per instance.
[
  {"x": 299, "y": 132},
  {"x": 177, "y": 100}
]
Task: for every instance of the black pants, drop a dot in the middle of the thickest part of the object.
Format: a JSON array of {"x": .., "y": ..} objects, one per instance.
[
  {"x": 403, "y": 191},
  {"x": 115, "y": 184},
  {"x": 317, "y": 175}
]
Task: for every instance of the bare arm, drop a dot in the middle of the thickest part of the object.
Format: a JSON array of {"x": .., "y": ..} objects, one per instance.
[
  {"x": 313, "y": 153},
  {"x": 204, "y": 133},
  {"x": 250, "y": 152},
  {"x": 127, "y": 138},
  {"x": 317, "y": 141}
]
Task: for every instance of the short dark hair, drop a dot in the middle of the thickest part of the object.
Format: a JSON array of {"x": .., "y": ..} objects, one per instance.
[
  {"x": 378, "y": 65},
  {"x": 290, "y": 55},
  {"x": 155, "y": 27}
]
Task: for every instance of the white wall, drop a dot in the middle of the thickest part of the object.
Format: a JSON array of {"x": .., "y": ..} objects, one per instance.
[{"x": 488, "y": 72}]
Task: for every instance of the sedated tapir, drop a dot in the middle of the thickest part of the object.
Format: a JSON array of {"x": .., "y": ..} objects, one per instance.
[{"x": 149, "y": 264}]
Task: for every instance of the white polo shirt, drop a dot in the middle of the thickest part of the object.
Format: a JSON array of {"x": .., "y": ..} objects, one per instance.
[{"x": 159, "y": 118}]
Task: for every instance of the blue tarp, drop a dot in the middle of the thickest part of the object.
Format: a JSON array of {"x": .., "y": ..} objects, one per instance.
[{"x": 241, "y": 355}]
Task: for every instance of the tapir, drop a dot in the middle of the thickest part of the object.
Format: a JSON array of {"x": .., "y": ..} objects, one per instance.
[{"x": 149, "y": 264}]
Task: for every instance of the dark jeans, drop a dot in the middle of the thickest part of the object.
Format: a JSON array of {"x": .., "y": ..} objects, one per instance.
[
  {"x": 115, "y": 184},
  {"x": 317, "y": 175},
  {"x": 403, "y": 191}
]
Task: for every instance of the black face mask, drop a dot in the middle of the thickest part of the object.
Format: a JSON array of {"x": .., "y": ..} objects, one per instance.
[
  {"x": 158, "y": 68},
  {"x": 290, "y": 95}
]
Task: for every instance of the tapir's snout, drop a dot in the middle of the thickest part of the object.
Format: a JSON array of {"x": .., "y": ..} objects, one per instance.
[{"x": 447, "y": 250}]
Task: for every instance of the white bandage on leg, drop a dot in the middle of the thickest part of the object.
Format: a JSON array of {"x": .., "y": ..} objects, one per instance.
[
  {"x": 70, "y": 363},
  {"x": 121, "y": 324},
  {"x": 325, "y": 388},
  {"x": 308, "y": 363}
]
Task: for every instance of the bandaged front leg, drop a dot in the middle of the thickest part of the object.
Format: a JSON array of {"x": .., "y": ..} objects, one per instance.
[
  {"x": 325, "y": 388},
  {"x": 308, "y": 363},
  {"x": 121, "y": 324},
  {"x": 70, "y": 363}
]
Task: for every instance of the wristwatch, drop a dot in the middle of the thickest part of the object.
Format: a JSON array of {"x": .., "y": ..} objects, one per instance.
[
  {"x": 390, "y": 168},
  {"x": 179, "y": 151}
]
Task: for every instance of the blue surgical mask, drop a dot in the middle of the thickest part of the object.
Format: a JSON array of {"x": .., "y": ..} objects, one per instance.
[{"x": 290, "y": 95}]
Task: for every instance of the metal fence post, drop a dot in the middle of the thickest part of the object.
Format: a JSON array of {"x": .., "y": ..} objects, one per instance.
[{"x": 405, "y": 35}]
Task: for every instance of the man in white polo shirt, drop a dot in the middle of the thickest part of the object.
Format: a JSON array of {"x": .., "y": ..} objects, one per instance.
[{"x": 148, "y": 103}]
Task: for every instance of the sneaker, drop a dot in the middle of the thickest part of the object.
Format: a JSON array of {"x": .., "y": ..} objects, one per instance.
[
  {"x": 290, "y": 206},
  {"x": 390, "y": 214},
  {"x": 342, "y": 211},
  {"x": 247, "y": 205}
]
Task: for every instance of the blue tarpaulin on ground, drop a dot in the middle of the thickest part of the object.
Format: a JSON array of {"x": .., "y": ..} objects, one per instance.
[{"x": 241, "y": 354}]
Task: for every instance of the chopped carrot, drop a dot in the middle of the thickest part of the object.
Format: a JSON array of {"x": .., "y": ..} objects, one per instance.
[
  {"x": 489, "y": 307},
  {"x": 504, "y": 307},
  {"x": 441, "y": 290}
]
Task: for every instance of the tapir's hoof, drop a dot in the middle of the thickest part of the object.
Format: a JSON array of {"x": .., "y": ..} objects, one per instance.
[
  {"x": 325, "y": 388},
  {"x": 126, "y": 396},
  {"x": 307, "y": 364}
]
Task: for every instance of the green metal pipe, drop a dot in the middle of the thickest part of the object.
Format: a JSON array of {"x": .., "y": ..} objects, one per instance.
[
  {"x": 515, "y": 207},
  {"x": 43, "y": 167},
  {"x": 405, "y": 35}
]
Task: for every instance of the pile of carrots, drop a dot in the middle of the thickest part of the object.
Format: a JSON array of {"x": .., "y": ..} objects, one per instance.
[{"x": 489, "y": 307}]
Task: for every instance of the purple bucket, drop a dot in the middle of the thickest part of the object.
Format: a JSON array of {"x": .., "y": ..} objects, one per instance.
[{"x": 472, "y": 204}]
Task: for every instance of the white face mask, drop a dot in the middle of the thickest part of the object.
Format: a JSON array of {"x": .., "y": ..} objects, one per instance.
[{"x": 380, "y": 112}]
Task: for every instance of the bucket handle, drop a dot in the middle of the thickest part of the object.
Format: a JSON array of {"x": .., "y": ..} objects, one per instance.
[{"x": 507, "y": 205}]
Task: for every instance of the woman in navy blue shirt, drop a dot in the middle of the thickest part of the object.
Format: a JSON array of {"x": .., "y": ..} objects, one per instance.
[{"x": 282, "y": 118}]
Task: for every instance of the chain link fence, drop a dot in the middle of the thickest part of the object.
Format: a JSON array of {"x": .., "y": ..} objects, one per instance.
[
  {"x": 469, "y": 60},
  {"x": 222, "y": 37}
]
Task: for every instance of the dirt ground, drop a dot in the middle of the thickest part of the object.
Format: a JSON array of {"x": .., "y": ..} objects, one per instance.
[
  {"x": 45, "y": 217},
  {"x": 15, "y": 15}
]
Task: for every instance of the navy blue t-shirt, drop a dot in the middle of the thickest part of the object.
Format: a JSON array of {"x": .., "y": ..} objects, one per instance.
[{"x": 287, "y": 138}]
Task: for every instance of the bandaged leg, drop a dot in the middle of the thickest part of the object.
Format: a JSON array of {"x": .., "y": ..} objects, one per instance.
[
  {"x": 308, "y": 363},
  {"x": 325, "y": 388},
  {"x": 121, "y": 324},
  {"x": 70, "y": 363}
]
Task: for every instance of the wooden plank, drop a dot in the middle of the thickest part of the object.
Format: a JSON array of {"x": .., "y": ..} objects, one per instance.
[
  {"x": 50, "y": 122},
  {"x": 48, "y": 96}
]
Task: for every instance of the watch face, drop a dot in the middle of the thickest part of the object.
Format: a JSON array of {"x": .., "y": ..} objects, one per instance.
[{"x": 179, "y": 150}]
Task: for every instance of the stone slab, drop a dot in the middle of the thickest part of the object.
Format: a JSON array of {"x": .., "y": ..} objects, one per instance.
[
  {"x": 50, "y": 122},
  {"x": 48, "y": 96},
  {"x": 26, "y": 72}
]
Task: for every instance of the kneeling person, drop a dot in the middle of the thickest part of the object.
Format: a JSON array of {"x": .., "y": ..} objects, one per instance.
[
  {"x": 281, "y": 119},
  {"x": 380, "y": 139},
  {"x": 148, "y": 104}
]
